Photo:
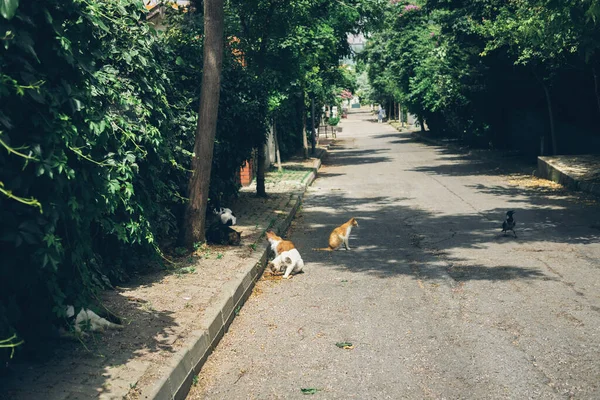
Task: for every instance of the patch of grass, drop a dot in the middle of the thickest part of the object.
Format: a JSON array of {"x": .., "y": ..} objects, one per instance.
[{"x": 185, "y": 270}]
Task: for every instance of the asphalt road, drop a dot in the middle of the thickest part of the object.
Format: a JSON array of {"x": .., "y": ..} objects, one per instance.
[{"x": 436, "y": 302}]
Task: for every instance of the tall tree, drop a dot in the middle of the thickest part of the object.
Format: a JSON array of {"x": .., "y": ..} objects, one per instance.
[{"x": 207, "y": 122}]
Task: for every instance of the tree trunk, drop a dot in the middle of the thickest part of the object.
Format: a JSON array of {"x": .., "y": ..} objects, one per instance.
[
  {"x": 596, "y": 87},
  {"x": 551, "y": 118},
  {"x": 312, "y": 117},
  {"x": 388, "y": 109},
  {"x": 550, "y": 112},
  {"x": 260, "y": 172},
  {"x": 304, "y": 138},
  {"x": 207, "y": 123},
  {"x": 401, "y": 115},
  {"x": 277, "y": 146}
]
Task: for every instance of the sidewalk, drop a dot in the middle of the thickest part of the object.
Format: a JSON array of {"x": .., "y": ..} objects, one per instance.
[
  {"x": 581, "y": 172},
  {"x": 174, "y": 317},
  {"x": 575, "y": 172}
]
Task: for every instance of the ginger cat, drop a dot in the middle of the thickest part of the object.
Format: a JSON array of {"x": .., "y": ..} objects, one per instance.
[
  {"x": 340, "y": 236},
  {"x": 278, "y": 245}
]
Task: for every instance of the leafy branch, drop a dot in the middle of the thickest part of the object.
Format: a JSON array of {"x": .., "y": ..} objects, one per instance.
[
  {"x": 29, "y": 202},
  {"x": 9, "y": 344},
  {"x": 15, "y": 152}
]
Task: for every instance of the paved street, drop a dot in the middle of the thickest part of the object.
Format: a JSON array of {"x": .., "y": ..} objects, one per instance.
[{"x": 436, "y": 302}]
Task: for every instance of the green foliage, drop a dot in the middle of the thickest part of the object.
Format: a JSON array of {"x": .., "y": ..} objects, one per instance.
[
  {"x": 333, "y": 121},
  {"x": 97, "y": 125},
  {"x": 84, "y": 123},
  {"x": 295, "y": 48},
  {"x": 96, "y": 134},
  {"x": 479, "y": 70},
  {"x": 242, "y": 123}
]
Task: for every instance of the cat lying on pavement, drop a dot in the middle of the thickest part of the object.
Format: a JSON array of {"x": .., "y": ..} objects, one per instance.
[{"x": 87, "y": 320}]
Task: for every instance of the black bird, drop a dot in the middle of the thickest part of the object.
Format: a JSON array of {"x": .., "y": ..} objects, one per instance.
[{"x": 509, "y": 223}]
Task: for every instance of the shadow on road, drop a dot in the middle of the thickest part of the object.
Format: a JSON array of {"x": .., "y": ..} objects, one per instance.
[
  {"x": 358, "y": 157},
  {"x": 395, "y": 237}
]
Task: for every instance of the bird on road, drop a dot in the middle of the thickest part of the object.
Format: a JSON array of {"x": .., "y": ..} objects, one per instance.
[{"x": 509, "y": 223}]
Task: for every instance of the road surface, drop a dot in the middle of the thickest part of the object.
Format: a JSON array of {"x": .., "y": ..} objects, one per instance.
[{"x": 435, "y": 301}]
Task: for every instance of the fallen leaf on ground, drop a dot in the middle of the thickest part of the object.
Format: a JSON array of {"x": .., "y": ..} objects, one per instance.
[
  {"x": 309, "y": 390},
  {"x": 345, "y": 345}
]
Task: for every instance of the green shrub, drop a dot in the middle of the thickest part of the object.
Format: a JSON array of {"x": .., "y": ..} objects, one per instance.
[
  {"x": 333, "y": 121},
  {"x": 97, "y": 125}
]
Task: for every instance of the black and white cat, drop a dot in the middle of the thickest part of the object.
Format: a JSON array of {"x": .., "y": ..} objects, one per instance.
[
  {"x": 226, "y": 216},
  {"x": 87, "y": 320}
]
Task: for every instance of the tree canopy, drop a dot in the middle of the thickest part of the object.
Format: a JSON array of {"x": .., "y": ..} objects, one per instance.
[{"x": 495, "y": 73}]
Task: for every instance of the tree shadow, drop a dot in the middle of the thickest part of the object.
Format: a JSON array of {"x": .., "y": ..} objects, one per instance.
[
  {"x": 394, "y": 238},
  {"x": 329, "y": 174},
  {"x": 357, "y": 157},
  {"x": 504, "y": 160},
  {"x": 85, "y": 368},
  {"x": 394, "y": 135}
]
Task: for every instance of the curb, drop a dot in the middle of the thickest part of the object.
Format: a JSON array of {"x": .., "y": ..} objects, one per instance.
[
  {"x": 548, "y": 171},
  {"x": 188, "y": 361}
]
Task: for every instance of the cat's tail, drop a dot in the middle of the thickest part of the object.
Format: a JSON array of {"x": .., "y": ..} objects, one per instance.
[{"x": 323, "y": 249}]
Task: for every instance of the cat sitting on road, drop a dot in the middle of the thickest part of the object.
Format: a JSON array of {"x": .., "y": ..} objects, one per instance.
[
  {"x": 289, "y": 261},
  {"x": 340, "y": 236},
  {"x": 278, "y": 245}
]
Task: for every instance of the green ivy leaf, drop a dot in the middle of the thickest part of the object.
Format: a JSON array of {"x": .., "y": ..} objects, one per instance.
[{"x": 8, "y": 8}]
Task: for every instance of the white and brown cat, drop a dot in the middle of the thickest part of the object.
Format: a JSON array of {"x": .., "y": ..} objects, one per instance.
[
  {"x": 286, "y": 258},
  {"x": 340, "y": 235},
  {"x": 289, "y": 262}
]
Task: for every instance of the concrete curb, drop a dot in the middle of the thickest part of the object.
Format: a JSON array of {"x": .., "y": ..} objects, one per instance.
[
  {"x": 551, "y": 172},
  {"x": 188, "y": 361}
]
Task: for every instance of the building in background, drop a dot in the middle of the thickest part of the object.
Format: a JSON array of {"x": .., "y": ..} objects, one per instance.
[{"x": 156, "y": 11}]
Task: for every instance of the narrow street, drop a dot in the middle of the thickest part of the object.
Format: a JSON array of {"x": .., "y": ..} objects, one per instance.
[{"x": 435, "y": 300}]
